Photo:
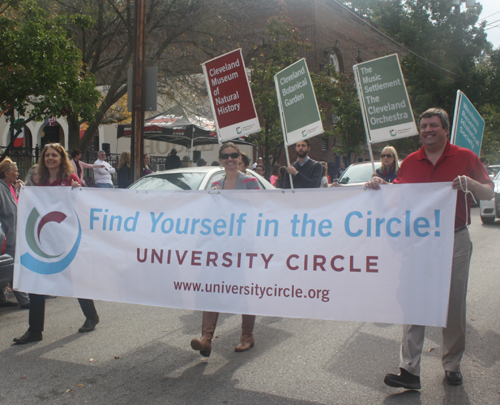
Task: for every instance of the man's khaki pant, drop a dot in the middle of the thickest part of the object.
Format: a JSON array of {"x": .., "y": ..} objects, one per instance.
[{"x": 454, "y": 333}]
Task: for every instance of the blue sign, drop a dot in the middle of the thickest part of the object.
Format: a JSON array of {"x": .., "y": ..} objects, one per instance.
[{"x": 468, "y": 125}]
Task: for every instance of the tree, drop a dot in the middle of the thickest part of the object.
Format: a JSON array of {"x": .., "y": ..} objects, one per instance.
[
  {"x": 446, "y": 46},
  {"x": 280, "y": 49},
  {"x": 338, "y": 98},
  {"x": 449, "y": 50},
  {"x": 491, "y": 137},
  {"x": 336, "y": 94},
  {"x": 180, "y": 35},
  {"x": 40, "y": 70}
]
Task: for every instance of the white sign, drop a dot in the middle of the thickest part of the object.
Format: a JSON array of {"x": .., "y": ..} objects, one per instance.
[{"x": 342, "y": 254}]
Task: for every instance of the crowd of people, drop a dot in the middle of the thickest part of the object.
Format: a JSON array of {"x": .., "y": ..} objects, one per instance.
[{"x": 437, "y": 161}]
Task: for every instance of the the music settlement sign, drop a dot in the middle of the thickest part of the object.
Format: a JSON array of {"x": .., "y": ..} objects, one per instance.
[
  {"x": 384, "y": 100},
  {"x": 232, "y": 101}
]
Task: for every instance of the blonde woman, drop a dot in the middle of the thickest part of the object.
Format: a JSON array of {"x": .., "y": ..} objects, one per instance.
[
  {"x": 32, "y": 176},
  {"x": 390, "y": 165}
]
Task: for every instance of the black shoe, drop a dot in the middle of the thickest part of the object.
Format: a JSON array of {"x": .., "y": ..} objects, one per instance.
[
  {"x": 453, "y": 377},
  {"x": 8, "y": 304},
  {"x": 25, "y": 306},
  {"x": 28, "y": 337},
  {"x": 404, "y": 379},
  {"x": 89, "y": 325}
]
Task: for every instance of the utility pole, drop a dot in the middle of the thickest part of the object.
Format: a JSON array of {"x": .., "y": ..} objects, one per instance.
[{"x": 138, "y": 91}]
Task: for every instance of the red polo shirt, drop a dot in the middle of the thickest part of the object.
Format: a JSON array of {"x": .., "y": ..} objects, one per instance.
[{"x": 455, "y": 161}]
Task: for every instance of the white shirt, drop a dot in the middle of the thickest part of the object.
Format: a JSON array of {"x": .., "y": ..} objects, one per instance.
[{"x": 103, "y": 175}]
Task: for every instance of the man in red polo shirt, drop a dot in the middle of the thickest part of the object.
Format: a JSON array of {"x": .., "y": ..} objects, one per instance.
[{"x": 439, "y": 161}]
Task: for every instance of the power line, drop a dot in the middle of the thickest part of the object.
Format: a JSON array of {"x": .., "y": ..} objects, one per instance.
[
  {"x": 490, "y": 28},
  {"x": 482, "y": 19},
  {"x": 493, "y": 22}
]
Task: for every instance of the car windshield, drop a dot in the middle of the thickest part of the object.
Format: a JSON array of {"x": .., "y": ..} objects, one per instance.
[
  {"x": 170, "y": 181},
  {"x": 357, "y": 174}
]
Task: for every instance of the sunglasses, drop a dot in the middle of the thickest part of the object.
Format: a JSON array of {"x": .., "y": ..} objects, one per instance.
[
  {"x": 383, "y": 155},
  {"x": 225, "y": 156}
]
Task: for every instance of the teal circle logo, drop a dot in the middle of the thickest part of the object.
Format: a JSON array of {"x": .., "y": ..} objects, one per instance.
[{"x": 46, "y": 263}]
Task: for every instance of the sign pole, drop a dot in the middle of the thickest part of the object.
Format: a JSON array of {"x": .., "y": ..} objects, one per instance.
[
  {"x": 363, "y": 110},
  {"x": 455, "y": 117},
  {"x": 137, "y": 139},
  {"x": 283, "y": 130},
  {"x": 216, "y": 122}
]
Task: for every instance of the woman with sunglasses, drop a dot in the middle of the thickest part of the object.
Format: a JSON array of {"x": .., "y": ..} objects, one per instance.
[
  {"x": 390, "y": 165},
  {"x": 229, "y": 158},
  {"x": 55, "y": 169}
]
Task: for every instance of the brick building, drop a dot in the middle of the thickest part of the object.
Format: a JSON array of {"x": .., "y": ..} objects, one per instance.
[{"x": 337, "y": 34}]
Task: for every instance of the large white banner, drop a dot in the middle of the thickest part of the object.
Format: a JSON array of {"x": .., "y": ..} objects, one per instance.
[{"x": 343, "y": 254}]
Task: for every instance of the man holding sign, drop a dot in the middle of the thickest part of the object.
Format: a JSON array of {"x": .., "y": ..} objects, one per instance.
[
  {"x": 306, "y": 172},
  {"x": 440, "y": 161},
  {"x": 300, "y": 120}
]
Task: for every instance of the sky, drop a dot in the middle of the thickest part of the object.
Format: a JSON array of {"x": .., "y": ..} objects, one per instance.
[{"x": 490, "y": 7}]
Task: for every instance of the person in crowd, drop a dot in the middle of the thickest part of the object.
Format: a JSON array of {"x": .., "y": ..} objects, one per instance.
[
  {"x": 8, "y": 219},
  {"x": 229, "y": 157},
  {"x": 201, "y": 162},
  {"x": 440, "y": 161},
  {"x": 124, "y": 170},
  {"x": 186, "y": 161},
  {"x": 306, "y": 172},
  {"x": 341, "y": 170},
  {"x": 281, "y": 177},
  {"x": 215, "y": 163},
  {"x": 32, "y": 176},
  {"x": 244, "y": 162},
  {"x": 78, "y": 165},
  {"x": 259, "y": 161},
  {"x": 325, "y": 178},
  {"x": 389, "y": 168},
  {"x": 103, "y": 171},
  {"x": 54, "y": 169},
  {"x": 261, "y": 171},
  {"x": 146, "y": 169},
  {"x": 173, "y": 161},
  {"x": 274, "y": 175}
]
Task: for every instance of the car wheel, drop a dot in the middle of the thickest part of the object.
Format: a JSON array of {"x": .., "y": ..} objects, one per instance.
[{"x": 487, "y": 220}]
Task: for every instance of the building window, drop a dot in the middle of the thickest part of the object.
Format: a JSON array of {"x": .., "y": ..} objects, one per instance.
[
  {"x": 324, "y": 144},
  {"x": 334, "y": 59}
]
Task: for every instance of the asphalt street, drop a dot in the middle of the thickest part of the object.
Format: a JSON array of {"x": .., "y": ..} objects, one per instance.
[{"x": 141, "y": 354}]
